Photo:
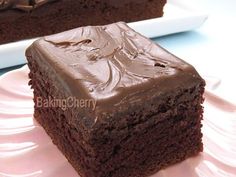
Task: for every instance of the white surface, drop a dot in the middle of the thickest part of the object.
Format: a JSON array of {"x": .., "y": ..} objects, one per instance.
[
  {"x": 177, "y": 18},
  {"x": 211, "y": 48}
]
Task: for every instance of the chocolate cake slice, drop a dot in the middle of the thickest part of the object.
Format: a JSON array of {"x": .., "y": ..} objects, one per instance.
[
  {"x": 24, "y": 19},
  {"x": 125, "y": 106}
]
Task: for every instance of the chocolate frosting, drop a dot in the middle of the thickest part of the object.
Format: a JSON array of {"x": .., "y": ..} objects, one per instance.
[
  {"x": 24, "y": 5},
  {"x": 111, "y": 64},
  {"x": 29, "y": 5}
]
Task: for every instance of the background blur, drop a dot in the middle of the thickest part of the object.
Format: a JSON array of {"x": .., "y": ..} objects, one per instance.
[{"x": 212, "y": 47}]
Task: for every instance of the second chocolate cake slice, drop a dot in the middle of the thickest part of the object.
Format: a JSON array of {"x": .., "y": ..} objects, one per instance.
[
  {"x": 122, "y": 105},
  {"x": 26, "y": 19}
]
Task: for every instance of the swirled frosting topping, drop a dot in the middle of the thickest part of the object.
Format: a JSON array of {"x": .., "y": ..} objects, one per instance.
[
  {"x": 24, "y": 5},
  {"x": 103, "y": 62}
]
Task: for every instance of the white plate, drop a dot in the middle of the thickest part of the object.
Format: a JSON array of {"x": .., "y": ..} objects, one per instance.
[{"x": 177, "y": 18}]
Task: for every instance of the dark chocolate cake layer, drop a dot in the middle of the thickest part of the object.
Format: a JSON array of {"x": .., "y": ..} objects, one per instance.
[
  {"x": 27, "y": 19},
  {"x": 148, "y": 102}
]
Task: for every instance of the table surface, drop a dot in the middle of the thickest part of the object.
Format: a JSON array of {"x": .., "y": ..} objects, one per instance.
[{"x": 210, "y": 48}]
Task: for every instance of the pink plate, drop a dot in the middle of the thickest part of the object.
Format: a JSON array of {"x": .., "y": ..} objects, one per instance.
[{"x": 27, "y": 151}]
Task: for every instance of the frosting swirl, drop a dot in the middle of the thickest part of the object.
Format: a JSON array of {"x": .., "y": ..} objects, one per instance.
[
  {"x": 111, "y": 64},
  {"x": 5, "y": 4},
  {"x": 108, "y": 59}
]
